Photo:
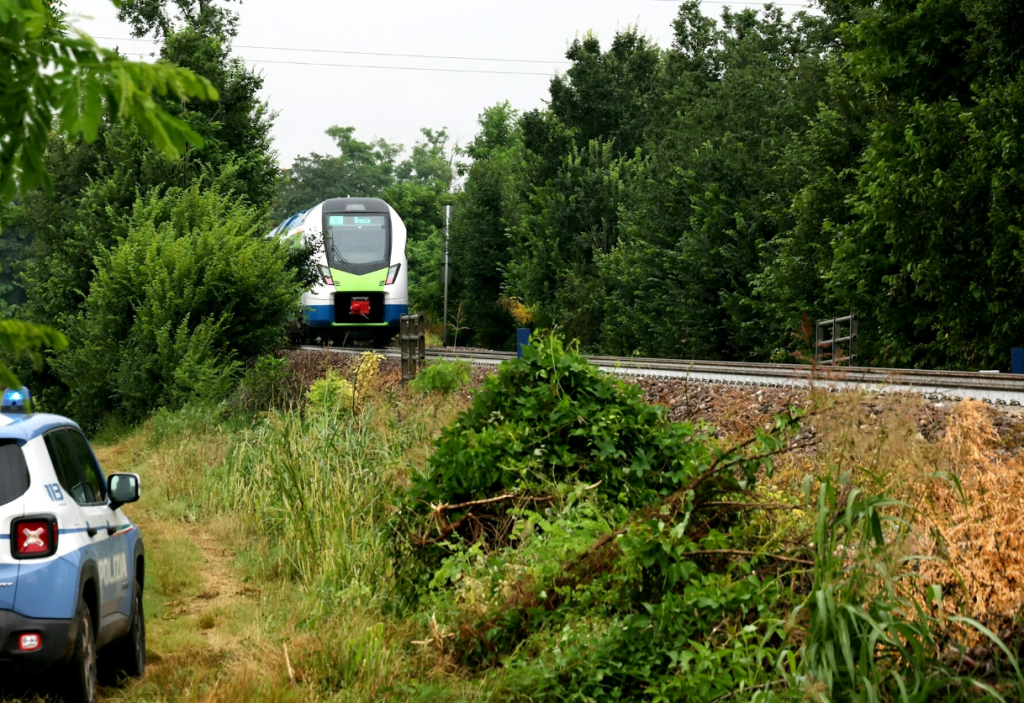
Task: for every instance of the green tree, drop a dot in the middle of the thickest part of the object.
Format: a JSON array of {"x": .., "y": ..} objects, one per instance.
[
  {"x": 14, "y": 245},
  {"x": 796, "y": 280},
  {"x": 53, "y": 83},
  {"x": 739, "y": 94},
  {"x": 609, "y": 96},
  {"x": 419, "y": 196},
  {"x": 361, "y": 169},
  {"x": 49, "y": 80},
  {"x": 193, "y": 289},
  {"x": 485, "y": 212},
  {"x": 572, "y": 222},
  {"x": 934, "y": 260},
  {"x": 96, "y": 184}
]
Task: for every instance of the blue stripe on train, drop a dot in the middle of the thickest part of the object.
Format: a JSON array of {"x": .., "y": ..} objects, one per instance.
[{"x": 323, "y": 315}]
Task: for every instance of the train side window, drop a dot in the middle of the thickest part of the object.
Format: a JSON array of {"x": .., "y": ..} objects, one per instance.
[
  {"x": 95, "y": 488},
  {"x": 14, "y": 476},
  {"x": 65, "y": 464}
]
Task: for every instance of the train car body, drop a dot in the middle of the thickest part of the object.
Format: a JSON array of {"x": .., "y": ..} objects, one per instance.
[{"x": 364, "y": 287}]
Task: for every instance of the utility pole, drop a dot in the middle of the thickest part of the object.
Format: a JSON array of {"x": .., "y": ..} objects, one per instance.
[{"x": 447, "y": 269}]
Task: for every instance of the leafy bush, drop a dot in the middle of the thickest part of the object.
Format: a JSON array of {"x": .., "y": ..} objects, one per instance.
[
  {"x": 331, "y": 393},
  {"x": 190, "y": 293},
  {"x": 334, "y": 393},
  {"x": 552, "y": 417},
  {"x": 576, "y": 540},
  {"x": 265, "y": 384},
  {"x": 441, "y": 377}
]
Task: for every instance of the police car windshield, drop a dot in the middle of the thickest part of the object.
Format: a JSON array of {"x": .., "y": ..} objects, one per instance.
[{"x": 14, "y": 480}]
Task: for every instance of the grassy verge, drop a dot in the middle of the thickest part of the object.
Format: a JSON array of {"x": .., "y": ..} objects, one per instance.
[
  {"x": 281, "y": 568},
  {"x": 270, "y": 577}
]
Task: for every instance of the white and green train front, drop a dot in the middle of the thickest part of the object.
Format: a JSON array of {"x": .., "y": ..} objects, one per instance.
[{"x": 364, "y": 289}]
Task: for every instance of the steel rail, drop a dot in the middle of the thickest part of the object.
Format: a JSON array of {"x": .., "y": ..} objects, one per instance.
[{"x": 996, "y": 388}]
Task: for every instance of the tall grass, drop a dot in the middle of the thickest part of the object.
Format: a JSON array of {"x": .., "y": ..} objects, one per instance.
[
  {"x": 306, "y": 494},
  {"x": 315, "y": 489}
]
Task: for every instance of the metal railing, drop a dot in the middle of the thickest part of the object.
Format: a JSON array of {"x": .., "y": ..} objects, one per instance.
[
  {"x": 835, "y": 342},
  {"x": 412, "y": 340}
]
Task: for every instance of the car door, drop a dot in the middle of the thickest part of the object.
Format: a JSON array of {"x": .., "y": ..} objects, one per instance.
[
  {"x": 111, "y": 542},
  {"x": 89, "y": 514}
]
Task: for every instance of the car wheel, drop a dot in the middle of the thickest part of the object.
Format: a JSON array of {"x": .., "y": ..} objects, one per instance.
[
  {"x": 81, "y": 679},
  {"x": 128, "y": 655}
]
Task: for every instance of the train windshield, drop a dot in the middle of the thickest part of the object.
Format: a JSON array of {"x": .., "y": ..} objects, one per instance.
[{"x": 358, "y": 239}]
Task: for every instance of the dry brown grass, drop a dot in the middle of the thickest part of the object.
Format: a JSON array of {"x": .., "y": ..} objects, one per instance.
[
  {"x": 958, "y": 470},
  {"x": 976, "y": 527}
]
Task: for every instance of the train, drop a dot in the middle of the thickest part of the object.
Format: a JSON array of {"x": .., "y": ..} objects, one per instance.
[{"x": 364, "y": 287}]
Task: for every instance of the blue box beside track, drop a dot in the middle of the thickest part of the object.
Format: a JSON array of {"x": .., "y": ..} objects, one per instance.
[{"x": 68, "y": 555}]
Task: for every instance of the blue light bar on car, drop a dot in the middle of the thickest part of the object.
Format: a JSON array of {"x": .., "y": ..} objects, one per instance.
[{"x": 16, "y": 402}]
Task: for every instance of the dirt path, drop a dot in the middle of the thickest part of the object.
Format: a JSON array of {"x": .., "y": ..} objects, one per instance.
[
  {"x": 200, "y": 613},
  {"x": 221, "y": 590}
]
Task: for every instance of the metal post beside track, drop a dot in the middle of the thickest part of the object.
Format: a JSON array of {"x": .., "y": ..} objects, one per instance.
[
  {"x": 830, "y": 338},
  {"x": 412, "y": 339},
  {"x": 446, "y": 263}
]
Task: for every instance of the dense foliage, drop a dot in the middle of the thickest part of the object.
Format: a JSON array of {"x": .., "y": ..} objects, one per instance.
[
  {"x": 191, "y": 289},
  {"x": 96, "y": 184},
  {"x": 54, "y": 85},
  {"x": 82, "y": 246},
  {"x": 550, "y": 417},
  {"x": 587, "y": 548},
  {"x": 47, "y": 74},
  {"x": 702, "y": 201}
]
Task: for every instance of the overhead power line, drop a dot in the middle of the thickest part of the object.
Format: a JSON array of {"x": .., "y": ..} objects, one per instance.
[
  {"x": 804, "y": 5},
  {"x": 387, "y": 68},
  {"x": 407, "y": 68},
  {"x": 362, "y": 53}
]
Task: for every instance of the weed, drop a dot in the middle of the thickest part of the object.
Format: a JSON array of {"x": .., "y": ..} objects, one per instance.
[
  {"x": 264, "y": 384},
  {"x": 595, "y": 550},
  {"x": 331, "y": 394},
  {"x": 442, "y": 377},
  {"x": 457, "y": 321},
  {"x": 522, "y": 313}
]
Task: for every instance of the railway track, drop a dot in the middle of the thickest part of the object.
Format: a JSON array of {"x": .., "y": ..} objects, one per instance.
[{"x": 995, "y": 388}]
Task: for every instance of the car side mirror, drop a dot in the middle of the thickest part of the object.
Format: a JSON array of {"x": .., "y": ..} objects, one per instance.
[{"x": 123, "y": 488}]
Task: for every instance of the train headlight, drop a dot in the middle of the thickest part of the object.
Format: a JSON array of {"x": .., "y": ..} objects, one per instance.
[{"x": 392, "y": 274}]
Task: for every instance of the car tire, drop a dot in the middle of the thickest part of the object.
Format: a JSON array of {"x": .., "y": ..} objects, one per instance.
[
  {"x": 128, "y": 655},
  {"x": 81, "y": 680}
]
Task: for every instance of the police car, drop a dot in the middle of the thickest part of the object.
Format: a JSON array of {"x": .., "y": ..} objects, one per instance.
[{"x": 72, "y": 565}]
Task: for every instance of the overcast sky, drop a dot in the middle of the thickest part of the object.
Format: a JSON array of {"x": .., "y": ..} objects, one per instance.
[{"x": 393, "y": 103}]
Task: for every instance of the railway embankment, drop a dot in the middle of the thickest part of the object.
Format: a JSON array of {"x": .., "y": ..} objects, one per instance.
[
  {"x": 731, "y": 408},
  {"x": 546, "y": 529}
]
